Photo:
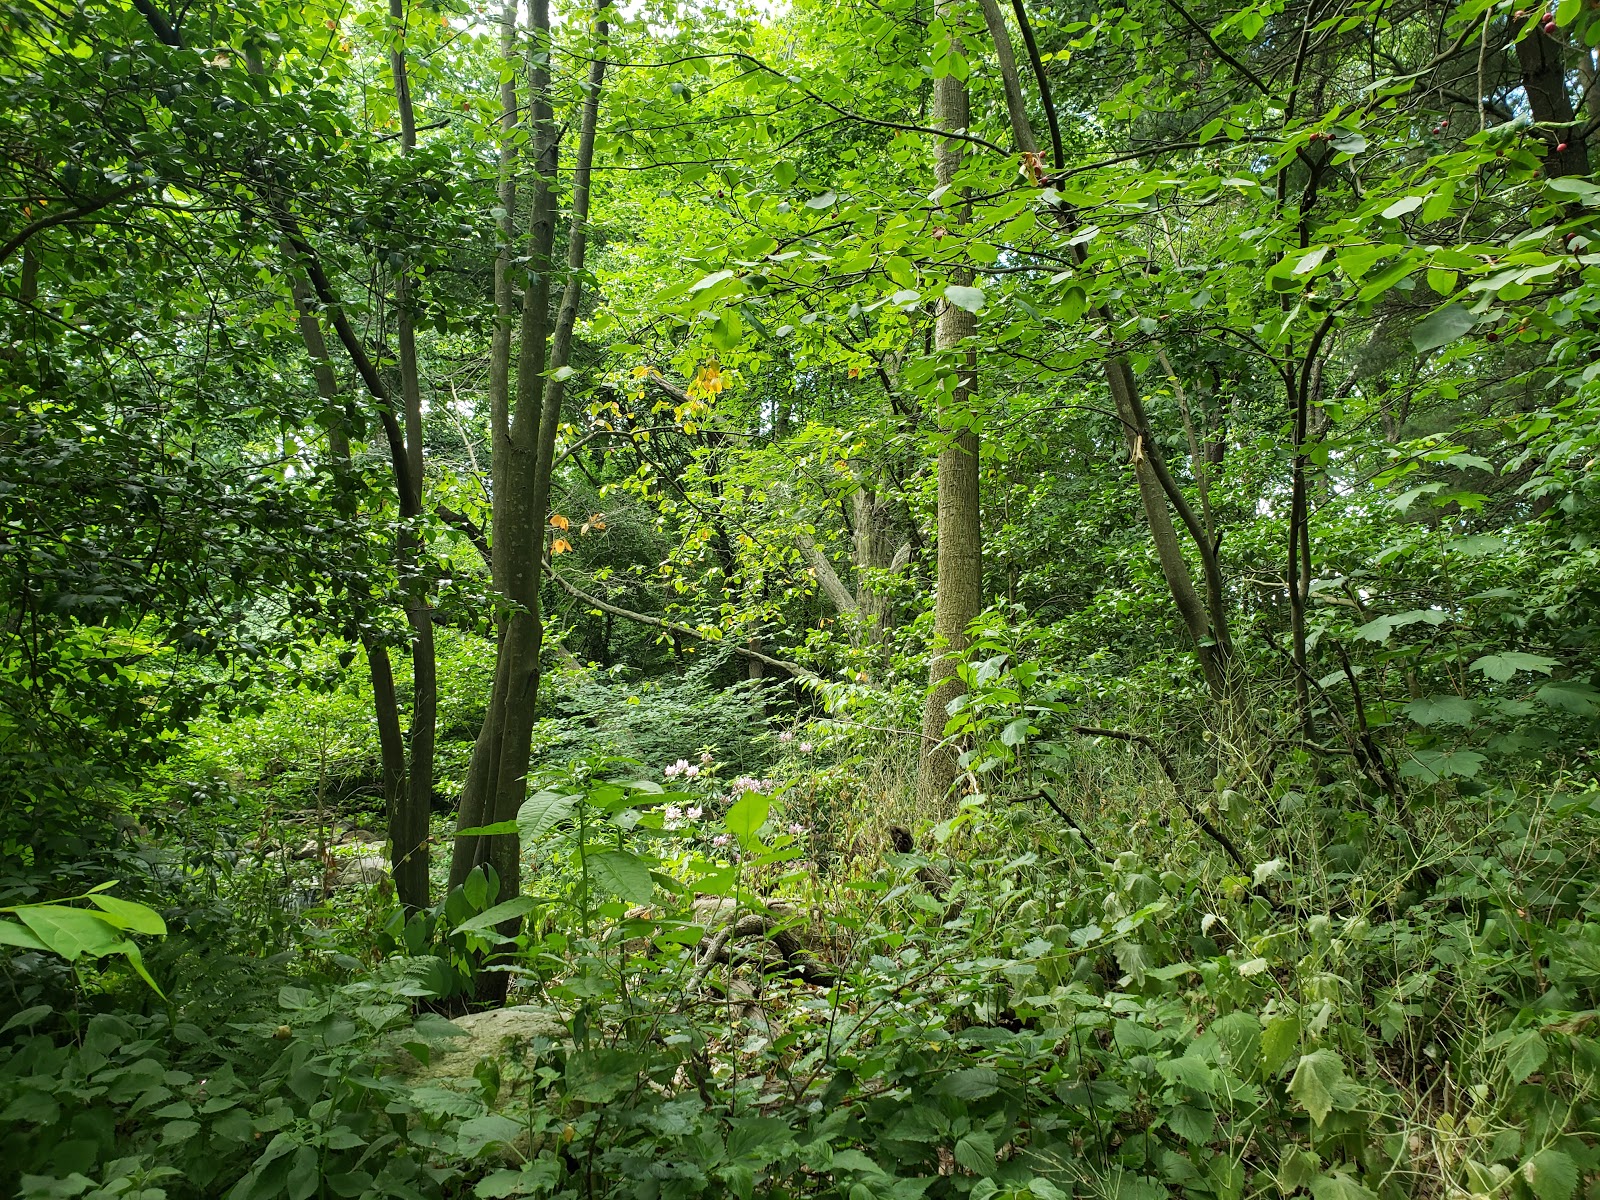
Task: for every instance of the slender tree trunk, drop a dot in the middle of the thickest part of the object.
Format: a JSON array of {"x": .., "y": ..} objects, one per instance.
[
  {"x": 959, "y": 595},
  {"x": 524, "y": 446},
  {"x": 385, "y": 703},
  {"x": 408, "y": 833},
  {"x": 483, "y": 770},
  {"x": 1207, "y": 623}
]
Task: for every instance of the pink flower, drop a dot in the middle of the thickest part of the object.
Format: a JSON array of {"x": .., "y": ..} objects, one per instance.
[
  {"x": 681, "y": 767},
  {"x": 806, "y": 747},
  {"x": 693, "y": 813},
  {"x": 691, "y": 771},
  {"x": 721, "y": 839},
  {"x": 705, "y": 758},
  {"x": 796, "y": 829},
  {"x": 786, "y": 736}
]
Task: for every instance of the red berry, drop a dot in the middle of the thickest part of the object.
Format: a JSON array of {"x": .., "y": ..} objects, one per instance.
[
  {"x": 1491, "y": 336},
  {"x": 1549, "y": 17},
  {"x": 1550, "y": 29},
  {"x": 1561, "y": 147}
]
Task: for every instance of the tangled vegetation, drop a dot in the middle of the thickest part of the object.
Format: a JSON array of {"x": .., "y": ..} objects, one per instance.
[{"x": 886, "y": 600}]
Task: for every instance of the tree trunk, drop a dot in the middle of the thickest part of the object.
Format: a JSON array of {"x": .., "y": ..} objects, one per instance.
[
  {"x": 959, "y": 594},
  {"x": 524, "y": 446},
  {"x": 408, "y": 831},
  {"x": 1544, "y": 79}
]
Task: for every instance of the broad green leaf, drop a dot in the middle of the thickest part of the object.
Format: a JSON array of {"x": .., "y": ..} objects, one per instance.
[
  {"x": 1504, "y": 666},
  {"x": 971, "y": 1083},
  {"x": 517, "y": 906},
  {"x": 975, "y": 1152},
  {"x": 1340, "y": 1185},
  {"x": 1570, "y": 695},
  {"x": 1015, "y": 732},
  {"x": 1551, "y": 1174},
  {"x": 622, "y": 874},
  {"x": 748, "y": 814},
  {"x": 135, "y": 918},
  {"x": 494, "y": 830},
  {"x": 1441, "y": 328},
  {"x": 13, "y": 934},
  {"x": 72, "y": 932},
  {"x": 1525, "y": 1054},
  {"x": 1316, "y": 1082},
  {"x": 541, "y": 813},
  {"x": 826, "y": 200},
  {"x": 1278, "y": 1042},
  {"x": 1431, "y": 766},
  {"x": 1442, "y": 710},
  {"x": 969, "y": 298},
  {"x": 1402, "y": 206}
]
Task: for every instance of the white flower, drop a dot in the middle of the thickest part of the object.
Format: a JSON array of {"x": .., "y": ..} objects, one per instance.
[
  {"x": 786, "y": 736},
  {"x": 796, "y": 829},
  {"x": 691, "y": 771},
  {"x": 806, "y": 747},
  {"x": 721, "y": 839},
  {"x": 694, "y": 812},
  {"x": 705, "y": 758},
  {"x": 674, "y": 813}
]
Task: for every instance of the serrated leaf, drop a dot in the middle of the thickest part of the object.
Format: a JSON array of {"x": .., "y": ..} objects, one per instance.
[
  {"x": 1504, "y": 666},
  {"x": 1525, "y": 1054},
  {"x": 1316, "y": 1081},
  {"x": 1431, "y": 766},
  {"x": 1552, "y": 1174},
  {"x": 1441, "y": 328},
  {"x": 973, "y": 1083},
  {"x": 1442, "y": 710},
  {"x": 1278, "y": 1042},
  {"x": 1340, "y": 1185},
  {"x": 622, "y": 874},
  {"x": 975, "y": 1152}
]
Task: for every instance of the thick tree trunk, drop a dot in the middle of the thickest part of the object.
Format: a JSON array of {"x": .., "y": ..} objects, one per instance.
[
  {"x": 959, "y": 595},
  {"x": 1544, "y": 79}
]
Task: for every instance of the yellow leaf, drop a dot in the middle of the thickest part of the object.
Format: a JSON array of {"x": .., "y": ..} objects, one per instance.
[
  {"x": 560, "y": 546},
  {"x": 560, "y": 522}
]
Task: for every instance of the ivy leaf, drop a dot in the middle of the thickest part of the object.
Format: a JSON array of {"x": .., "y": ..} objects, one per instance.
[
  {"x": 1317, "y": 1079},
  {"x": 1552, "y": 1175},
  {"x": 969, "y": 298},
  {"x": 1441, "y": 328},
  {"x": 622, "y": 874},
  {"x": 1504, "y": 666}
]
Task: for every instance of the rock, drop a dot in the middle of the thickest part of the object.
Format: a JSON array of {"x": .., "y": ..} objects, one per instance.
[
  {"x": 365, "y": 870},
  {"x": 495, "y": 1033}
]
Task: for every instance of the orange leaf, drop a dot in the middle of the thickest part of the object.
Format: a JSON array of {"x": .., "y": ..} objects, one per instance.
[
  {"x": 560, "y": 546},
  {"x": 560, "y": 522}
]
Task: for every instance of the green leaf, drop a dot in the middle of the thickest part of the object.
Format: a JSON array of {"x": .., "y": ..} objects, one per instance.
[
  {"x": 1431, "y": 766},
  {"x": 826, "y": 200},
  {"x": 1442, "y": 710},
  {"x": 1504, "y": 666},
  {"x": 972, "y": 1083},
  {"x": 13, "y": 934},
  {"x": 622, "y": 874},
  {"x": 1316, "y": 1082},
  {"x": 1015, "y": 732},
  {"x": 1340, "y": 1186},
  {"x": 494, "y": 830},
  {"x": 126, "y": 914},
  {"x": 1441, "y": 328},
  {"x": 1552, "y": 1175},
  {"x": 748, "y": 814},
  {"x": 72, "y": 932},
  {"x": 1525, "y": 1054},
  {"x": 1570, "y": 695},
  {"x": 1402, "y": 206},
  {"x": 975, "y": 1152},
  {"x": 542, "y": 812},
  {"x": 1278, "y": 1042},
  {"x": 969, "y": 298},
  {"x": 517, "y": 906}
]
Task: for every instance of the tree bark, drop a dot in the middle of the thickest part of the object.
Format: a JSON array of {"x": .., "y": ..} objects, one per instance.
[
  {"x": 959, "y": 594},
  {"x": 408, "y": 832}
]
